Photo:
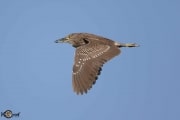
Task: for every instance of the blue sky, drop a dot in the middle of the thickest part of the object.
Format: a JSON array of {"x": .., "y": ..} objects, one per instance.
[{"x": 140, "y": 84}]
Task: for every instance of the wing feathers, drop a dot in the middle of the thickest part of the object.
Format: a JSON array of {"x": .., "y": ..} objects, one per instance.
[{"x": 87, "y": 66}]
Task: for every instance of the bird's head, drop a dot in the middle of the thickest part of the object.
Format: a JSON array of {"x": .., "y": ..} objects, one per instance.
[{"x": 76, "y": 39}]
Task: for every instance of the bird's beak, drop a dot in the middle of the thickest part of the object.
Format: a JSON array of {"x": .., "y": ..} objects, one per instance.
[{"x": 61, "y": 40}]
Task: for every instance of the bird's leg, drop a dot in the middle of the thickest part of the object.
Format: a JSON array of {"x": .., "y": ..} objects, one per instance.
[{"x": 126, "y": 45}]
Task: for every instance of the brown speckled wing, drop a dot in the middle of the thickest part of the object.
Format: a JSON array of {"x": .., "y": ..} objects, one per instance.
[{"x": 87, "y": 65}]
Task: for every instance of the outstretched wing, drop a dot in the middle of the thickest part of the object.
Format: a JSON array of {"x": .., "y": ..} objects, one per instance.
[{"x": 87, "y": 65}]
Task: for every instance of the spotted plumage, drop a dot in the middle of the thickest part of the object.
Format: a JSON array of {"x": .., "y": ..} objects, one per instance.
[{"x": 92, "y": 51}]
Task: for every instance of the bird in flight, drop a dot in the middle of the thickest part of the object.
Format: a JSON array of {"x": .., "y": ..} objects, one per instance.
[{"x": 92, "y": 51}]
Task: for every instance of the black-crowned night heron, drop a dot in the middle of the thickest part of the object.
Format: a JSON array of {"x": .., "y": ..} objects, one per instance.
[{"x": 92, "y": 51}]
